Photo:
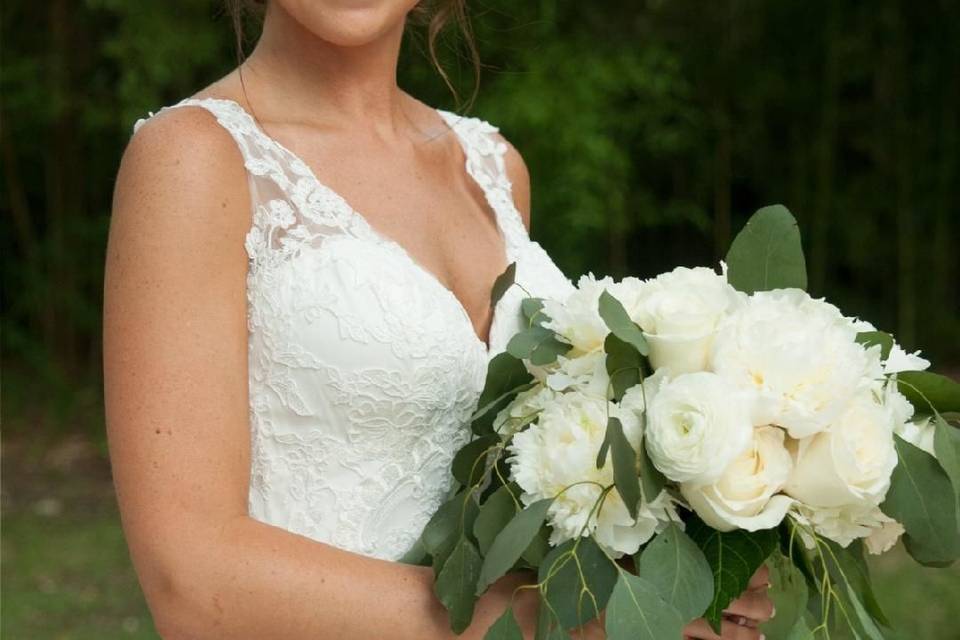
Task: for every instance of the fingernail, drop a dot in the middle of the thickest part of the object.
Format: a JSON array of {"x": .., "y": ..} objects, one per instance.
[{"x": 763, "y": 637}]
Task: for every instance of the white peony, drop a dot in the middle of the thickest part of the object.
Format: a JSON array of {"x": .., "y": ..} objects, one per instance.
[
  {"x": 851, "y": 462},
  {"x": 586, "y": 373},
  {"x": 556, "y": 458},
  {"x": 523, "y": 410},
  {"x": 745, "y": 496},
  {"x": 577, "y": 319},
  {"x": 899, "y": 360},
  {"x": 697, "y": 424},
  {"x": 679, "y": 313},
  {"x": 845, "y": 524},
  {"x": 799, "y": 354}
]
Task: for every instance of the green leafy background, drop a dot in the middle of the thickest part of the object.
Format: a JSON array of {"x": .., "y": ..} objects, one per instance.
[{"x": 651, "y": 130}]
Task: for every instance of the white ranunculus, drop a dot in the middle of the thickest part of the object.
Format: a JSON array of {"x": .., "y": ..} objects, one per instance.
[
  {"x": 849, "y": 463},
  {"x": 799, "y": 354},
  {"x": 746, "y": 495},
  {"x": 697, "y": 423},
  {"x": 845, "y": 524},
  {"x": 577, "y": 319},
  {"x": 556, "y": 458},
  {"x": 679, "y": 312},
  {"x": 523, "y": 410},
  {"x": 586, "y": 372}
]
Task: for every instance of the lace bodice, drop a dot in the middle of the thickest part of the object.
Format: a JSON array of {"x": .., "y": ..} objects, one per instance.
[{"x": 363, "y": 366}]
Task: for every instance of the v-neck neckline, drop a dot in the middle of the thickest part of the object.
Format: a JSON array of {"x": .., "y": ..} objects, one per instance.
[{"x": 381, "y": 237}]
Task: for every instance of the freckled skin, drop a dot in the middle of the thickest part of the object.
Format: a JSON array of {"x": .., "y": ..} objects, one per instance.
[{"x": 322, "y": 81}]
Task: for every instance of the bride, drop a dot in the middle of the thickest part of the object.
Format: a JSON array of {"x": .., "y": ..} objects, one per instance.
[{"x": 296, "y": 329}]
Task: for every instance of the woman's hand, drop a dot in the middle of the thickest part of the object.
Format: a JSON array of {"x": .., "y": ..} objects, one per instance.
[{"x": 743, "y": 617}]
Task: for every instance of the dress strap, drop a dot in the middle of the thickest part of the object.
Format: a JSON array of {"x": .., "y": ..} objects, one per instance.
[
  {"x": 261, "y": 156},
  {"x": 485, "y": 153}
]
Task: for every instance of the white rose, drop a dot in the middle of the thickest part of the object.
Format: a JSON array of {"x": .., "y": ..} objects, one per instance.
[
  {"x": 679, "y": 312},
  {"x": 556, "y": 458},
  {"x": 745, "y": 496},
  {"x": 799, "y": 354},
  {"x": 523, "y": 410},
  {"x": 849, "y": 463},
  {"x": 577, "y": 319},
  {"x": 845, "y": 524},
  {"x": 697, "y": 423}
]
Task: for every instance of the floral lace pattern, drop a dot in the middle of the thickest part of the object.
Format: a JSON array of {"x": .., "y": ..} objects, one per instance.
[{"x": 363, "y": 367}]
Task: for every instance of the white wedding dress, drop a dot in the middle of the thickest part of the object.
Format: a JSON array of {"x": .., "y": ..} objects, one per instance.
[{"x": 363, "y": 366}]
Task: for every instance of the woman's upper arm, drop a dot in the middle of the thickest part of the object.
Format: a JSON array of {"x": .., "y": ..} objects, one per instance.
[{"x": 175, "y": 370}]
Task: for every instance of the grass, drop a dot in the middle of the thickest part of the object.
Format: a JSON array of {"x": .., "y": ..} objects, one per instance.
[{"x": 67, "y": 575}]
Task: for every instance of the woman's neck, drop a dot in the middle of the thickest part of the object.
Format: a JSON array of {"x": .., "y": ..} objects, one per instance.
[{"x": 311, "y": 80}]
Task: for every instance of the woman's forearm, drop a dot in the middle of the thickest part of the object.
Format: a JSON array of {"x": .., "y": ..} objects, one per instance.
[{"x": 253, "y": 580}]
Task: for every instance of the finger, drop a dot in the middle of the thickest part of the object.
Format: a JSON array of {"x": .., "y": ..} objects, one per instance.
[
  {"x": 700, "y": 630},
  {"x": 755, "y": 605},
  {"x": 760, "y": 580}
]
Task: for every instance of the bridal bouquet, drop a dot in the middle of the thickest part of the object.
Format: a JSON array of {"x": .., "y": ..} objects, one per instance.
[{"x": 646, "y": 445}]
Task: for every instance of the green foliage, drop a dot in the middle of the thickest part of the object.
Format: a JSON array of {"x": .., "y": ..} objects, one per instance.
[
  {"x": 767, "y": 253},
  {"x": 733, "y": 558},
  {"x": 620, "y": 324},
  {"x": 788, "y": 591},
  {"x": 576, "y": 578},
  {"x": 922, "y": 499},
  {"x": 925, "y": 389},
  {"x": 636, "y": 610},
  {"x": 494, "y": 515},
  {"x": 457, "y": 582},
  {"x": 624, "y": 365},
  {"x": 511, "y": 542},
  {"x": 882, "y": 338},
  {"x": 675, "y": 566},
  {"x": 505, "y": 628},
  {"x": 625, "y": 473}
]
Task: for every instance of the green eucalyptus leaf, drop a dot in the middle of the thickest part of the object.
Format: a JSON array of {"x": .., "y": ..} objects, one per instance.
[
  {"x": 538, "y": 548},
  {"x": 946, "y": 444},
  {"x": 651, "y": 479},
  {"x": 548, "y": 626},
  {"x": 626, "y": 476},
  {"x": 767, "y": 253},
  {"x": 532, "y": 310},
  {"x": 619, "y": 322},
  {"x": 923, "y": 388},
  {"x": 733, "y": 557},
  {"x": 470, "y": 462},
  {"x": 624, "y": 365},
  {"x": 505, "y": 374},
  {"x": 845, "y": 572},
  {"x": 637, "y": 612},
  {"x": 577, "y": 579},
  {"x": 788, "y": 591},
  {"x": 505, "y": 628},
  {"x": 503, "y": 282},
  {"x": 511, "y": 542},
  {"x": 456, "y": 584},
  {"x": 676, "y": 567},
  {"x": 494, "y": 515},
  {"x": 921, "y": 498},
  {"x": 882, "y": 338}
]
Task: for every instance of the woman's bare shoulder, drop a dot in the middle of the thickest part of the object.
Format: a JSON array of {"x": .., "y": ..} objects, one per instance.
[{"x": 182, "y": 173}]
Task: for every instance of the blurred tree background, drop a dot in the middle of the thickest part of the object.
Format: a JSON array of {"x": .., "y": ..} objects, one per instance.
[{"x": 652, "y": 129}]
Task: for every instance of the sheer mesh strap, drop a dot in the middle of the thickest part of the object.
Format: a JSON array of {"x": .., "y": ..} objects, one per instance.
[{"x": 485, "y": 152}]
